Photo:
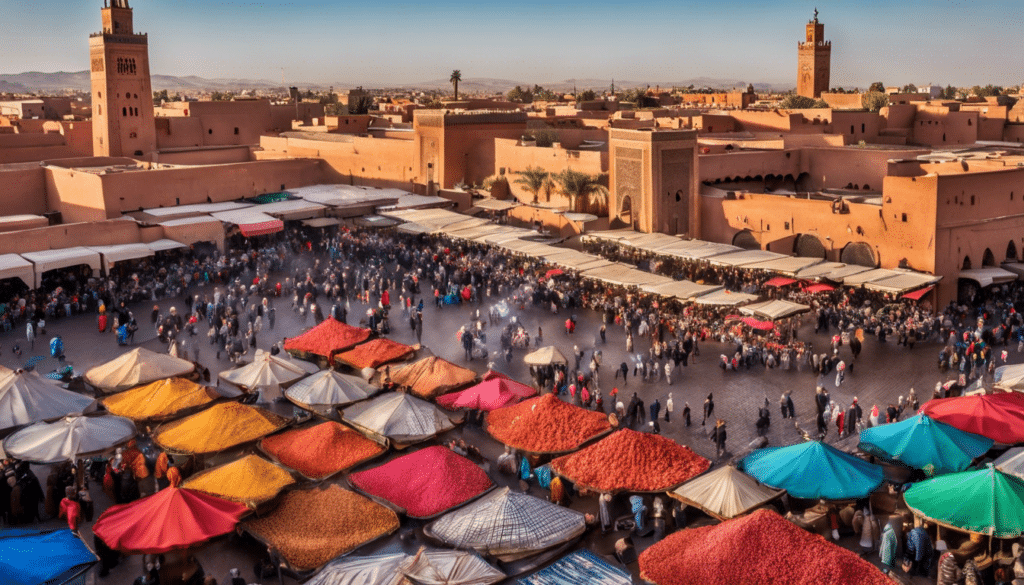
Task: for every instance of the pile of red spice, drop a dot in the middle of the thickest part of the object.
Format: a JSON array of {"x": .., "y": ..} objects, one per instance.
[
  {"x": 326, "y": 338},
  {"x": 631, "y": 461},
  {"x": 424, "y": 483},
  {"x": 320, "y": 451},
  {"x": 762, "y": 548},
  {"x": 545, "y": 425}
]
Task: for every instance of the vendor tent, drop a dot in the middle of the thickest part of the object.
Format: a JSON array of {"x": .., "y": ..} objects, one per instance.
[
  {"x": 292, "y": 209},
  {"x": 999, "y": 417},
  {"x": 138, "y": 366},
  {"x": 1010, "y": 378},
  {"x": 683, "y": 290},
  {"x": 251, "y": 480},
  {"x": 545, "y": 356},
  {"x": 165, "y": 245},
  {"x": 28, "y": 557},
  {"x": 431, "y": 377},
  {"x": 902, "y": 282},
  {"x": 986, "y": 500},
  {"x": 744, "y": 257},
  {"x": 267, "y": 374},
  {"x": 400, "y": 417},
  {"x": 494, "y": 392},
  {"x": 47, "y": 260},
  {"x": 508, "y": 525},
  {"x": 495, "y": 204},
  {"x": 580, "y": 567},
  {"x": 174, "y": 518},
  {"x": 329, "y": 389},
  {"x": 326, "y": 339},
  {"x": 774, "y": 310},
  {"x": 988, "y": 276},
  {"x": 14, "y": 266},
  {"x": 922, "y": 443},
  {"x": 70, "y": 438},
  {"x": 160, "y": 400},
  {"x": 789, "y": 265},
  {"x": 251, "y": 222},
  {"x": 725, "y": 298},
  {"x": 426, "y": 567},
  {"x": 381, "y": 569},
  {"x": 813, "y": 470},
  {"x": 27, "y": 397},
  {"x": 374, "y": 353},
  {"x": 121, "y": 252},
  {"x": 725, "y": 493}
]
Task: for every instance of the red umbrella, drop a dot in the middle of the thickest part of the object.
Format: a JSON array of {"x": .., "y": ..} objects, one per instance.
[
  {"x": 553, "y": 272},
  {"x": 494, "y": 392},
  {"x": 171, "y": 519},
  {"x": 999, "y": 417},
  {"x": 817, "y": 288}
]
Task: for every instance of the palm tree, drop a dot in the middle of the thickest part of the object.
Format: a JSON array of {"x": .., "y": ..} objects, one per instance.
[
  {"x": 454, "y": 80},
  {"x": 579, "y": 186},
  {"x": 533, "y": 179}
]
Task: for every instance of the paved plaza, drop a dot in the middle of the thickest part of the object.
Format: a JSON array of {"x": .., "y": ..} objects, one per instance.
[{"x": 882, "y": 373}]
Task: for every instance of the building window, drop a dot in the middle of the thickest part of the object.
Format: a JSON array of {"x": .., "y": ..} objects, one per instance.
[
  {"x": 124, "y": 111},
  {"x": 133, "y": 135},
  {"x": 972, "y": 199},
  {"x": 904, "y": 218},
  {"x": 210, "y": 131},
  {"x": 862, "y": 128},
  {"x": 236, "y": 131}
]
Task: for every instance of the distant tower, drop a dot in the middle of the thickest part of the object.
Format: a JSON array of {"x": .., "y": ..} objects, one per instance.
[
  {"x": 814, "y": 61},
  {"x": 122, "y": 96}
]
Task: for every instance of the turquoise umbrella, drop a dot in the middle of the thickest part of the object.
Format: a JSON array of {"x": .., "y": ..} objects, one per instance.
[
  {"x": 813, "y": 470},
  {"x": 984, "y": 500},
  {"x": 922, "y": 443}
]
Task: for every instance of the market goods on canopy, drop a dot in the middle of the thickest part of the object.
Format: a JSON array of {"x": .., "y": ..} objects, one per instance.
[
  {"x": 630, "y": 461},
  {"x": 431, "y": 377},
  {"x": 326, "y": 339},
  {"x": 29, "y": 557},
  {"x": 813, "y": 470},
  {"x": 251, "y": 480},
  {"x": 424, "y": 483},
  {"x": 160, "y": 400},
  {"x": 374, "y": 353},
  {"x": 217, "y": 428},
  {"x": 725, "y": 493},
  {"x": 322, "y": 450},
  {"x": 546, "y": 424},
  {"x": 174, "y": 518},
  {"x": 544, "y": 356},
  {"x": 311, "y": 527},
  {"x": 401, "y": 418},
  {"x": 27, "y": 397},
  {"x": 323, "y": 391},
  {"x": 762, "y": 548},
  {"x": 507, "y": 525},
  {"x": 494, "y": 392},
  {"x": 999, "y": 417},
  {"x": 986, "y": 500},
  {"x": 922, "y": 443},
  {"x": 426, "y": 567},
  {"x": 138, "y": 366},
  {"x": 69, "y": 438},
  {"x": 268, "y": 373},
  {"x": 580, "y": 567}
]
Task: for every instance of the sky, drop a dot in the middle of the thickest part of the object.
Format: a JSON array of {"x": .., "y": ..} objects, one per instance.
[{"x": 378, "y": 44}]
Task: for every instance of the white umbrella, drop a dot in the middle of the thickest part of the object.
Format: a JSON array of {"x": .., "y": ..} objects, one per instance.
[
  {"x": 545, "y": 356},
  {"x": 138, "y": 366},
  {"x": 329, "y": 388},
  {"x": 69, "y": 438},
  {"x": 427, "y": 567},
  {"x": 267, "y": 373},
  {"x": 398, "y": 416},
  {"x": 27, "y": 397}
]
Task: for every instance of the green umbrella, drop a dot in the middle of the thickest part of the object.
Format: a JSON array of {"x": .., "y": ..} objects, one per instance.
[{"x": 986, "y": 501}]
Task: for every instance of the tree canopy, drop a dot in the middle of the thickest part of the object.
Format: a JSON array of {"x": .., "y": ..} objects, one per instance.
[{"x": 874, "y": 101}]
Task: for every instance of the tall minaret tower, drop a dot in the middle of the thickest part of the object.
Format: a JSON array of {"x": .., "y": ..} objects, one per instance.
[
  {"x": 815, "y": 56},
  {"x": 122, "y": 96}
]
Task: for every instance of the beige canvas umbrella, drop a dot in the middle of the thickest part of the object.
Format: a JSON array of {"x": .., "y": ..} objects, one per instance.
[
  {"x": 138, "y": 366},
  {"x": 545, "y": 356},
  {"x": 267, "y": 374}
]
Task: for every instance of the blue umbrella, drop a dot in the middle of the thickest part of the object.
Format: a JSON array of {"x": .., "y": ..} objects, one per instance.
[
  {"x": 813, "y": 470},
  {"x": 923, "y": 443},
  {"x": 31, "y": 557}
]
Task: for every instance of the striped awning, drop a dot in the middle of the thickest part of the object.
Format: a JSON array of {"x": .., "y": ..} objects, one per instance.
[{"x": 261, "y": 228}]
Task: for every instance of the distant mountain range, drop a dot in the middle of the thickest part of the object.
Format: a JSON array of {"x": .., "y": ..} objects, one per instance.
[{"x": 79, "y": 80}]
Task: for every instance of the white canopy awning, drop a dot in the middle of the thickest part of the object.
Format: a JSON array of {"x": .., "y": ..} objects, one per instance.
[
  {"x": 47, "y": 260},
  {"x": 867, "y": 276},
  {"x": 725, "y": 298},
  {"x": 165, "y": 245},
  {"x": 744, "y": 257},
  {"x": 788, "y": 266},
  {"x": 292, "y": 209},
  {"x": 14, "y": 266},
  {"x": 495, "y": 204},
  {"x": 773, "y": 310},
  {"x": 989, "y": 275},
  {"x": 684, "y": 290},
  {"x": 122, "y": 252},
  {"x": 321, "y": 222},
  {"x": 902, "y": 282}
]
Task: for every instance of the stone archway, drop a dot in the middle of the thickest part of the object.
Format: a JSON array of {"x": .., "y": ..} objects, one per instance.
[
  {"x": 988, "y": 258},
  {"x": 859, "y": 253},
  {"x": 626, "y": 210},
  {"x": 1011, "y": 251},
  {"x": 809, "y": 246},
  {"x": 746, "y": 240}
]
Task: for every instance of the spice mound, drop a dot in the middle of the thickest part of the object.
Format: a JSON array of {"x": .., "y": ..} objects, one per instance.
[
  {"x": 631, "y": 461},
  {"x": 321, "y": 451},
  {"x": 327, "y": 338},
  {"x": 784, "y": 554},
  {"x": 250, "y": 480},
  {"x": 424, "y": 483},
  {"x": 217, "y": 428},
  {"x": 545, "y": 425},
  {"x": 160, "y": 399},
  {"x": 311, "y": 527}
]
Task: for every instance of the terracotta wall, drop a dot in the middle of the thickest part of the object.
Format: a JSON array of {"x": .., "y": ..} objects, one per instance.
[
  {"x": 24, "y": 190},
  {"x": 374, "y": 162},
  {"x": 77, "y": 195},
  {"x": 206, "y": 156},
  {"x": 70, "y": 235},
  {"x": 515, "y": 159}
]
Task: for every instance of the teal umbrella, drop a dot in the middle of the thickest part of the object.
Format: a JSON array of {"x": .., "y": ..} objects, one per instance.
[
  {"x": 986, "y": 500},
  {"x": 922, "y": 443},
  {"x": 813, "y": 470}
]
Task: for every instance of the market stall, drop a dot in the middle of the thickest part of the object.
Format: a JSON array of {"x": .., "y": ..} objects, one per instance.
[
  {"x": 546, "y": 425},
  {"x": 27, "y": 397},
  {"x": 161, "y": 400},
  {"x": 495, "y": 391},
  {"x": 322, "y": 450},
  {"x": 985, "y": 501},
  {"x": 217, "y": 428},
  {"x": 813, "y": 470},
  {"x": 580, "y": 567},
  {"x": 135, "y": 367},
  {"x": 431, "y": 377},
  {"x": 46, "y": 260},
  {"x": 326, "y": 339},
  {"x": 324, "y": 391},
  {"x": 999, "y": 417},
  {"x": 545, "y": 356},
  {"x": 427, "y": 566},
  {"x": 374, "y": 353},
  {"x": 68, "y": 439},
  {"x": 251, "y": 480},
  {"x": 922, "y": 443},
  {"x": 401, "y": 418},
  {"x": 725, "y": 493},
  {"x": 30, "y": 557},
  {"x": 268, "y": 374}
]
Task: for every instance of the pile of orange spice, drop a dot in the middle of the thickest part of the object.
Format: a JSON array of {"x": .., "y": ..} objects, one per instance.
[
  {"x": 322, "y": 450},
  {"x": 217, "y": 428}
]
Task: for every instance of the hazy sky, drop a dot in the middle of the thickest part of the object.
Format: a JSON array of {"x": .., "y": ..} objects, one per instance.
[{"x": 959, "y": 42}]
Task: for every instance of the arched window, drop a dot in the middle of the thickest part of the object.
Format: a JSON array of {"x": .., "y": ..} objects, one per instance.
[
  {"x": 967, "y": 263},
  {"x": 1011, "y": 251},
  {"x": 988, "y": 259},
  {"x": 124, "y": 111}
]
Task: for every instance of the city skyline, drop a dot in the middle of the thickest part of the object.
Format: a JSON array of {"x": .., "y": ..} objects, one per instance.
[{"x": 953, "y": 42}]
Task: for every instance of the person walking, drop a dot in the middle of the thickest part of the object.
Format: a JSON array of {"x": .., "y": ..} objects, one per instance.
[
  {"x": 624, "y": 368},
  {"x": 718, "y": 437},
  {"x": 888, "y": 548},
  {"x": 30, "y": 335},
  {"x": 668, "y": 372},
  {"x": 686, "y": 413},
  {"x": 668, "y": 407},
  {"x": 655, "y": 409},
  {"x": 709, "y": 408}
]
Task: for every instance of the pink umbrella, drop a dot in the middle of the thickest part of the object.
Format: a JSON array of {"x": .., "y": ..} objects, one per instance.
[{"x": 494, "y": 392}]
